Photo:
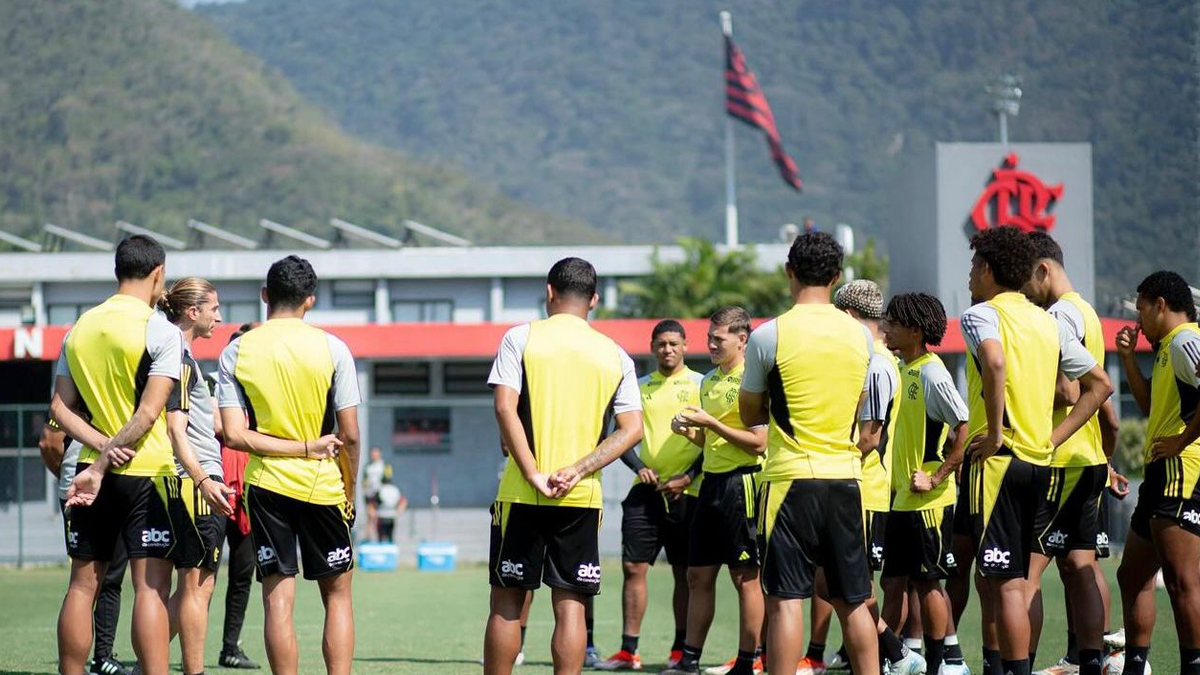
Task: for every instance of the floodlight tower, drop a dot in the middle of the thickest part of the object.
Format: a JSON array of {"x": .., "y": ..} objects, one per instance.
[{"x": 1006, "y": 101}]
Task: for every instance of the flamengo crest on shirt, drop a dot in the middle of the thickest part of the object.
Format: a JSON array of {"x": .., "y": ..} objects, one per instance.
[{"x": 1016, "y": 198}]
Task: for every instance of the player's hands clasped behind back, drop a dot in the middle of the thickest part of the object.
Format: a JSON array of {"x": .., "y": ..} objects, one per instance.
[{"x": 325, "y": 447}]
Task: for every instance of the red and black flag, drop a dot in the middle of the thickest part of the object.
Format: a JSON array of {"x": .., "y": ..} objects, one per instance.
[{"x": 745, "y": 100}]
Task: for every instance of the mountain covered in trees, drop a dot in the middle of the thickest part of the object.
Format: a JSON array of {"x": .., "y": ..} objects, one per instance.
[
  {"x": 612, "y": 112},
  {"x": 143, "y": 111}
]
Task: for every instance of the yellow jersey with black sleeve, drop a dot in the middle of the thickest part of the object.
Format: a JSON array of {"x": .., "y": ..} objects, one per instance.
[
  {"x": 291, "y": 379},
  {"x": 1077, "y": 317},
  {"x": 571, "y": 378},
  {"x": 812, "y": 363},
  {"x": 883, "y": 381},
  {"x": 719, "y": 398},
  {"x": 1036, "y": 349},
  {"x": 1174, "y": 388},
  {"x": 110, "y": 354},
  {"x": 663, "y": 396},
  {"x": 929, "y": 406}
]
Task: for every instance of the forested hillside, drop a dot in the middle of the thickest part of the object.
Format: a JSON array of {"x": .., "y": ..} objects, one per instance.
[
  {"x": 141, "y": 110},
  {"x": 612, "y": 111}
]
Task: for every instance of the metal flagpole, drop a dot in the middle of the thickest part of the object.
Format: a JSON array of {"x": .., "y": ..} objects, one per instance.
[{"x": 731, "y": 212}]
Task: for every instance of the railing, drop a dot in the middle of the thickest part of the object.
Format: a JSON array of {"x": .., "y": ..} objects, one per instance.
[{"x": 24, "y": 483}]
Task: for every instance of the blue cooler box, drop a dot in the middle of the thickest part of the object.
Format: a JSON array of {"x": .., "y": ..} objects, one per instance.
[
  {"x": 437, "y": 556},
  {"x": 378, "y": 557}
]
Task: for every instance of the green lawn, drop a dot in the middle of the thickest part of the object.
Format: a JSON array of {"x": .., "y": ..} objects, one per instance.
[{"x": 411, "y": 622}]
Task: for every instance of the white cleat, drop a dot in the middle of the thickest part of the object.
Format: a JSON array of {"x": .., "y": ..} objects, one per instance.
[
  {"x": 1115, "y": 640},
  {"x": 912, "y": 664},
  {"x": 954, "y": 669}
]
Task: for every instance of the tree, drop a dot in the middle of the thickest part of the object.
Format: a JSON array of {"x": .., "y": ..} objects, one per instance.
[
  {"x": 869, "y": 263},
  {"x": 703, "y": 282}
]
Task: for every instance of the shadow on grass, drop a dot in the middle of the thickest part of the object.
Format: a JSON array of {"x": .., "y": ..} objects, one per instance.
[
  {"x": 376, "y": 659},
  {"x": 48, "y": 671}
]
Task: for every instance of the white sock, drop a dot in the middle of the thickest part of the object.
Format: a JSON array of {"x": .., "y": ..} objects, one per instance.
[
  {"x": 914, "y": 644},
  {"x": 951, "y": 639}
]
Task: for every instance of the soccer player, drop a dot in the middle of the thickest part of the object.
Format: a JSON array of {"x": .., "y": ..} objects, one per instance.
[
  {"x": 1080, "y": 471},
  {"x": 118, "y": 365},
  {"x": 60, "y": 453},
  {"x": 241, "y": 549},
  {"x": 192, "y": 304},
  {"x": 929, "y": 435},
  {"x": 1165, "y": 528},
  {"x": 282, "y": 389},
  {"x": 1016, "y": 351},
  {"x": 657, "y": 514},
  {"x": 805, "y": 378},
  {"x": 723, "y": 527},
  {"x": 555, "y": 382}
]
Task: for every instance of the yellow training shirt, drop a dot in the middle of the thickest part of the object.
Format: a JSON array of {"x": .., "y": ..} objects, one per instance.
[
  {"x": 883, "y": 380},
  {"x": 719, "y": 398},
  {"x": 1174, "y": 387},
  {"x": 929, "y": 406},
  {"x": 662, "y": 450},
  {"x": 1084, "y": 447}
]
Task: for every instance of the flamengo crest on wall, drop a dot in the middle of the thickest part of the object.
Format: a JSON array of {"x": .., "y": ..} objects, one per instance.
[{"x": 1016, "y": 198}]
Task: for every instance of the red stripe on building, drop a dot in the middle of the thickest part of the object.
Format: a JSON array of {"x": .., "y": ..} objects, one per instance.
[{"x": 462, "y": 341}]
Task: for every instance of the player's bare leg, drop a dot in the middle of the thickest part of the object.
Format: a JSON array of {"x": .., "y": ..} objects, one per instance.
[
  {"x": 151, "y": 626},
  {"x": 1135, "y": 577},
  {"x": 188, "y": 610},
  {"x": 702, "y": 598},
  {"x": 958, "y": 586},
  {"x": 679, "y": 598},
  {"x": 860, "y": 635},
  {"x": 1033, "y": 587},
  {"x": 633, "y": 596},
  {"x": 785, "y": 633},
  {"x": 337, "y": 641},
  {"x": 502, "y": 637},
  {"x": 750, "y": 606},
  {"x": 569, "y": 642},
  {"x": 279, "y": 633},
  {"x": 75, "y": 618},
  {"x": 1179, "y": 551}
]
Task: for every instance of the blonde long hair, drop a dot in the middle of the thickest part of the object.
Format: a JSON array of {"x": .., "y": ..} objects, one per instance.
[{"x": 185, "y": 293}]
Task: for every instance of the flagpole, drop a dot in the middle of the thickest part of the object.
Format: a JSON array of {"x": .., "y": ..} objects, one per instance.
[{"x": 731, "y": 212}]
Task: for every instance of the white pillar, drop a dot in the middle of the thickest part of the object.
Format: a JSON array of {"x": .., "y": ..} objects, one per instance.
[
  {"x": 610, "y": 294},
  {"x": 383, "y": 302},
  {"x": 496, "y": 300},
  {"x": 37, "y": 298}
]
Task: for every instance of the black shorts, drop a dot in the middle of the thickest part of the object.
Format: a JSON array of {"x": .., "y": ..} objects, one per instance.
[
  {"x": 811, "y": 523},
  {"x": 876, "y": 537},
  {"x": 962, "y": 508},
  {"x": 1171, "y": 491},
  {"x": 200, "y": 542},
  {"x": 387, "y": 529},
  {"x": 1008, "y": 491},
  {"x": 1103, "y": 545},
  {"x": 1069, "y": 514},
  {"x": 145, "y": 513},
  {"x": 279, "y": 523},
  {"x": 723, "y": 530},
  {"x": 650, "y": 522},
  {"x": 556, "y": 544},
  {"x": 919, "y": 544}
]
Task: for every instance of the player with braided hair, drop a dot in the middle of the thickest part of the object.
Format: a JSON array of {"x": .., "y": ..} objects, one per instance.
[{"x": 928, "y": 436}]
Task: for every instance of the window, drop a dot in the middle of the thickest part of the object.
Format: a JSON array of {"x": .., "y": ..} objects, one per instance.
[
  {"x": 354, "y": 294},
  {"x": 238, "y": 313},
  {"x": 401, "y": 378},
  {"x": 419, "y": 431},
  {"x": 423, "y": 311},
  {"x": 61, "y": 315},
  {"x": 467, "y": 377}
]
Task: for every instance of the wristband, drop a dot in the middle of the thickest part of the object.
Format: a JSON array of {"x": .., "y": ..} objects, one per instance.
[
  {"x": 305, "y": 449},
  {"x": 202, "y": 481}
]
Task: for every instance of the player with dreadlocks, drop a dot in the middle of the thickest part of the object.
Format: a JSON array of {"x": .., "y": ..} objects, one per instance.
[{"x": 927, "y": 442}]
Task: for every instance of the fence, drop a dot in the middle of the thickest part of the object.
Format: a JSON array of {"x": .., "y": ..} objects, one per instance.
[{"x": 30, "y": 524}]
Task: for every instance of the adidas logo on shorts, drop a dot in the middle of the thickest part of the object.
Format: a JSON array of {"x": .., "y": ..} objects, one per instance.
[
  {"x": 338, "y": 556},
  {"x": 994, "y": 557},
  {"x": 588, "y": 573},
  {"x": 512, "y": 569},
  {"x": 156, "y": 538},
  {"x": 265, "y": 554}
]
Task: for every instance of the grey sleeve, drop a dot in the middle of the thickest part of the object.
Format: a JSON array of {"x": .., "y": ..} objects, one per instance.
[
  {"x": 979, "y": 323},
  {"x": 508, "y": 369},
  {"x": 345, "y": 376},
  {"x": 942, "y": 400},
  {"x": 229, "y": 394},
  {"x": 629, "y": 396},
  {"x": 1069, "y": 316},
  {"x": 881, "y": 388},
  {"x": 1074, "y": 360},
  {"x": 61, "y": 367},
  {"x": 164, "y": 344},
  {"x": 760, "y": 356},
  {"x": 1185, "y": 354}
]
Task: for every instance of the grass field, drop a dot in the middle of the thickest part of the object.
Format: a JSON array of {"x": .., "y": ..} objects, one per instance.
[{"x": 411, "y": 622}]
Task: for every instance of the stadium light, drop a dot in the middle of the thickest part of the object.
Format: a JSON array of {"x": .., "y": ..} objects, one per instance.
[
  {"x": 59, "y": 234},
  {"x": 200, "y": 229},
  {"x": 20, "y": 242},
  {"x": 347, "y": 229},
  {"x": 274, "y": 228},
  {"x": 1006, "y": 101},
  {"x": 434, "y": 233},
  {"x": 168, "y": 241}
]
